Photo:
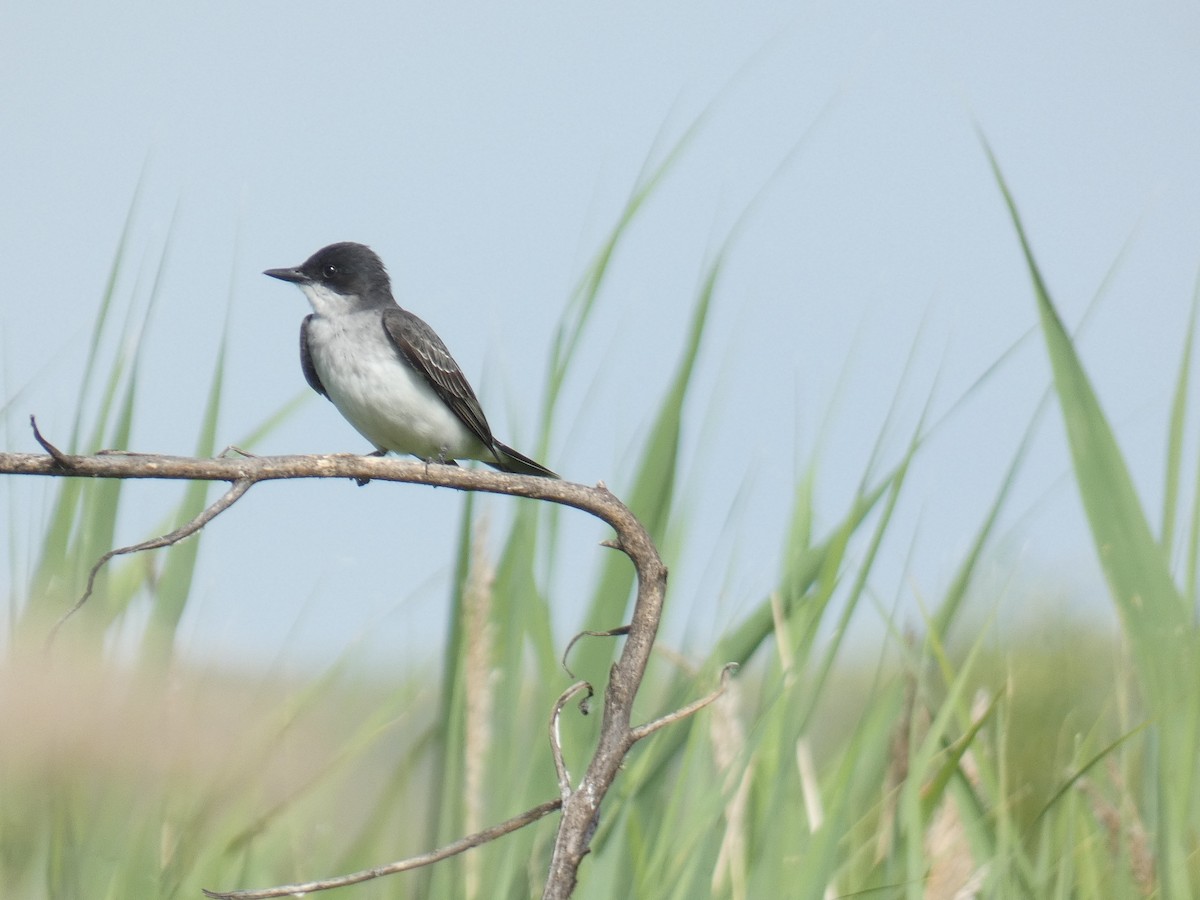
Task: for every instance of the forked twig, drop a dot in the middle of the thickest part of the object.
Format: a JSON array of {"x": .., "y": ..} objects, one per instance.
[{"x": 560, "y": 765}]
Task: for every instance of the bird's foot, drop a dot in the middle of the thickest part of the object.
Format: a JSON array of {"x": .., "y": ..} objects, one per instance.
[
  {"x": 365, "y": 481},
  {"x": 441, "y": 460}
]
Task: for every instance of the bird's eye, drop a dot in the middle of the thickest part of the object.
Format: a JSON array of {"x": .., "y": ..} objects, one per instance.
[{"x": 330, "y": 271}]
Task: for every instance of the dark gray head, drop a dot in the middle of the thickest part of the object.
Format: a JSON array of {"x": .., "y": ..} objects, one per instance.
[{"x": 341, "y": 278}]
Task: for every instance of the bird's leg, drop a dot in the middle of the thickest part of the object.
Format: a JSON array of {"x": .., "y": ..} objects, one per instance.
[
  {"x": 378, "y": 451},
  {"x": 440, "y": 459}
]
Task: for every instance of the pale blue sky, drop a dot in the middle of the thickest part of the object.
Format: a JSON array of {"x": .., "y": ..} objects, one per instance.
[{"x": 485, "y": 150}]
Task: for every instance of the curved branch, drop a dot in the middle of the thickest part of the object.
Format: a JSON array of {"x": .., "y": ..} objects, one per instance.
[
  {"x": 209, "y": 513},
  {"x": 620, "y": 631},
  {"x": 403, "y": 865},
  {"x": 644, "y": 731},
  {"x": 560, "y": 765},
  {"x": 580, "y": 808}
]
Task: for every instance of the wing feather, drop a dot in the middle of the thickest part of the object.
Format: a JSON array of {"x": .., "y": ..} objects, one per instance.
[
  {"x": 424, "y": 350},
  {"x": 306, "y": 363}
]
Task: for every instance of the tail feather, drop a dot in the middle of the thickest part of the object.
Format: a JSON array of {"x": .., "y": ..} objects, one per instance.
[{"x": 509, "y": 460}]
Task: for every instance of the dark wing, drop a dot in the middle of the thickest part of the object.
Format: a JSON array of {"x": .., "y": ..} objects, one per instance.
[
  {"x": 306, "y": 363},
  {"x": 426, "y": 353}
]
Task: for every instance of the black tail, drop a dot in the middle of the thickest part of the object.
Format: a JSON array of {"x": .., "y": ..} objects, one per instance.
[{"x": 509, "y": 460}]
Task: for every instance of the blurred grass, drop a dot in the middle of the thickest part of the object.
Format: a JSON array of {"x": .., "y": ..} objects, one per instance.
[{"x": 1054, "y": 761}]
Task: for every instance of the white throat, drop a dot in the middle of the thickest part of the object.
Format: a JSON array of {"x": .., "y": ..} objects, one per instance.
[{"x": 327, "y": 302}]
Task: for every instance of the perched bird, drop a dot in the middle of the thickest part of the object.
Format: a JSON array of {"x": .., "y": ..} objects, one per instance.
[{"x": 385, "y": 370}]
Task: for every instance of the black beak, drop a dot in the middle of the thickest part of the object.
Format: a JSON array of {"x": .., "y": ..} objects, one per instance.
[{"x": 295, "y": 276}]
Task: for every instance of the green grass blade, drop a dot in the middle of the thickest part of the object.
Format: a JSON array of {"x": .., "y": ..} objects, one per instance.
[
  {"x": 77, "y": 508},
  {"x": 1193, "y": 550},
  {"x": 1175, "y": 436},
  {"x": 1073, "y": 779},
  {"x": 1135, "y": 565},
  {"x": 956, "y": 594},
  {"x": 447, "y": 778},
  {"x": 102, "y": 315},
  {"x": 174, "y": 585},
  {"x": 802, "y": 570},
  {"x": 583, "y": 301},
  {"x": 1155, "y": 616},
  {"x": 98, "y": 517},
  {"x": 651, "y": 496}
]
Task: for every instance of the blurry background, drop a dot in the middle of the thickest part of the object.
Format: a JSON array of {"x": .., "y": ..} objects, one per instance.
[{"x": 485, "y": 152}]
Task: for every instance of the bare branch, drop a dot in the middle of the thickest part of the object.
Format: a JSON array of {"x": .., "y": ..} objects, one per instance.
[
  {"x": 580, "y": 807},
  {"x": 612, "y": 632},
  {"x": 413, "y": 862},
  {"x": 227, "y": 500},
  {"x": 581, "y": 811},
  {"x": 596, "y": 501},
  {"x": 643, "y": 731},
  {"x": 59, "y": 457},
  {"x": 560, "y": 765}
]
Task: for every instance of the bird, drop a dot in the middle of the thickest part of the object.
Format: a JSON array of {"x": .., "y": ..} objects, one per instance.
[{"x": 385, "y": 370}]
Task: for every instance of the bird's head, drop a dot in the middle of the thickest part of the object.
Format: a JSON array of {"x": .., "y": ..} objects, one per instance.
[{"x": 340, "y": 278}]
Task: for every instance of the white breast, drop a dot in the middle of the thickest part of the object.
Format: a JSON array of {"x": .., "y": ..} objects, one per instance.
[{"x": 387, "y": 402}]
